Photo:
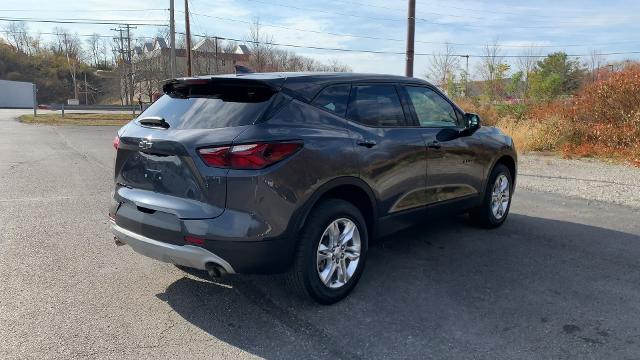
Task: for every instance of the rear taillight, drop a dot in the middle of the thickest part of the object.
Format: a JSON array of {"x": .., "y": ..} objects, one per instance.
[
  {"x": 248, "y": 156},
  {"x": 116, "y": 142}
]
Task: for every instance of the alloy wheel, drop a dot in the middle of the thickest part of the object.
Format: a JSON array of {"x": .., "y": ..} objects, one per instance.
[
  {"x": 500, "y": 196},
  {"x": 338, "y": 253}
]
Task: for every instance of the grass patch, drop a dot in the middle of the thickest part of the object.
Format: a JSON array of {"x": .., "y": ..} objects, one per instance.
[{"x": 78, "y": 119}]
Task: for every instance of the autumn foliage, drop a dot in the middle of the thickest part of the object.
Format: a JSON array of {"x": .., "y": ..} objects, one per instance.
[
  {"x": 606, "y": 117},
  {"x": 601, "y": 120}
]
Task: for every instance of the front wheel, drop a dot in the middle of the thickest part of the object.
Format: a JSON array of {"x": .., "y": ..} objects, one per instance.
[
  {"x": 497, "y": 199},
  {"x": 331, "y": 252}
]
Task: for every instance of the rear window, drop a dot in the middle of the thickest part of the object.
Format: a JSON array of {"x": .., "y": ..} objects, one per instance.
[
  {"x": 334, "y": 98},
  {"x": 207, "y": 112}
]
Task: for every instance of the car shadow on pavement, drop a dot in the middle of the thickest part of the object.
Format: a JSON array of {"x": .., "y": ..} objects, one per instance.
[{"x": 445, "y": 290}]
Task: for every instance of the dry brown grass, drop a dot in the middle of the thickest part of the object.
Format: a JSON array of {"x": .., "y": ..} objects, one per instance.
[{"x": 534, "y": 135}]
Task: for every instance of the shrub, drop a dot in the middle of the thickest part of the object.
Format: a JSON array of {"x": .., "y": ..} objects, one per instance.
[
  {"x": 608, "y": 111},
  {"x": 518, "y": 111}
]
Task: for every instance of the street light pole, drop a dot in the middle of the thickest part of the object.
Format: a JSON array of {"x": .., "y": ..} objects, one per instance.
[{"x": 411, "y": 33}]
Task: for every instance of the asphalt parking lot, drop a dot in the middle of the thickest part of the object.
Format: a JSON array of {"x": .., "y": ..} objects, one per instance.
[{"x": 561, "y": 279}]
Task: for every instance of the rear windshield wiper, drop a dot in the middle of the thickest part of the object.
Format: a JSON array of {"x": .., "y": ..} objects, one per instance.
[{"x": 154, "y": 121}]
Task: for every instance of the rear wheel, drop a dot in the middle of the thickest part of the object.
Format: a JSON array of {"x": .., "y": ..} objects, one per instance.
[
  {"x": 331, "y": 252},
  {"x": 497, "y": 199}
]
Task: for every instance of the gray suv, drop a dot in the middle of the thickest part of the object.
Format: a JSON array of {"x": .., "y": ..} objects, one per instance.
[{"x": 297, "y": 173}]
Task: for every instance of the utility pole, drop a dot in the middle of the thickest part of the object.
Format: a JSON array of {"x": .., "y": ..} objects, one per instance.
[
  {"x": 215, "y": 42},
  {"x": 86, "y": 90},
  {"x": 130, "y": 77},
  {"x": 411, "y": 34},
  {"x": 188, "y": 34},
  {"x": 35, "y": 100},
  {"x": 172, "y": 39},
  {"x": 121, "y": 52}
]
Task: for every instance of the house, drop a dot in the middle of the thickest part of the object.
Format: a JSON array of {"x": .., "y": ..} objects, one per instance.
[{"x": 151, "y": 62}]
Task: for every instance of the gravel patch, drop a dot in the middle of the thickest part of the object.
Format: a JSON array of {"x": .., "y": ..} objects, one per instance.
[{"x": 584, "y": 178}]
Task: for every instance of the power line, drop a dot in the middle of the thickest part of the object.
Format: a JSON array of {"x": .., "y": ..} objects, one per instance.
[
  {"x": 404, "y": 9},
  {"x": 492, "y": 12},
  {"x": 402, "y": 52},
  {"x": 86, "y": 10},
  {"x": 528, "y": 14},
  {"x": 81, "y": 35},
  {"x": 289, "y": 6},
  {"x": 297, "y": 46},
  {"x": 422, "y": 20},
  {"x": 85, "y": 21},
  {"x": 117, "y": 22},
  {"x": 401, "y": 40}
]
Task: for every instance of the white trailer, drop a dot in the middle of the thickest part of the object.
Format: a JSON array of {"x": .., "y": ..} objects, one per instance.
[{"x": 16, "y": 94}]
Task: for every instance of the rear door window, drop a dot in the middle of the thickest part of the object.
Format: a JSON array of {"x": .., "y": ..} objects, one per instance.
[
  {"x": 206, "y": 112},
  {"x": 376, "y": 105},
  {"x": 334, "y": 98}
]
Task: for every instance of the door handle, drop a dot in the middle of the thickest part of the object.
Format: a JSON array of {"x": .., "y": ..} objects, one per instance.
[
  {"x": 434, "y": 145},
  {"x": 366, "y": 143}
]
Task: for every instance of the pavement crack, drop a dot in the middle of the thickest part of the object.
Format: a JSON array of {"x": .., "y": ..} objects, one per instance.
[{"x": 83, "y": 155}]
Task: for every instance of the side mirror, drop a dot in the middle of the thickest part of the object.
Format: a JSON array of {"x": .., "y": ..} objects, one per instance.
[{"x": 472, "y": 122}]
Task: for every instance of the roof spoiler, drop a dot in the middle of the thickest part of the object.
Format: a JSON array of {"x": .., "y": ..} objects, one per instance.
[
  {"x": 198, "y": 87},
  {"x": 242, "y": 70}
]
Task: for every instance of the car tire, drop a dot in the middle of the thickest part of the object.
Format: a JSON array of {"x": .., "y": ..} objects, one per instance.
[
  {"x": 497, "y": 199},
  {"x": 311, "y": 273}
]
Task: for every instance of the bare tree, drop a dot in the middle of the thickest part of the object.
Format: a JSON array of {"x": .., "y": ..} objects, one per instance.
[
  {"x": 105, "y": 52},
  {"x": 93, "y": 42},
  {"x": 69, "y": 45},
  {"x": 17, "y": 35},
  {"x": 528, "y": 60},
  {"x": 492, "y": 69},
  {"x": 35, "y": 43},
  {"x": 260, "y": 45},
  {"x": 594, "y": 63},
  {"x": 443, "y": 66},
  {"x": 526, "y": 64},
  {"x": 335, "y": 66}
]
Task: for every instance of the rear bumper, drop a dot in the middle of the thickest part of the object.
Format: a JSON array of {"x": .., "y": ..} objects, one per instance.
[
  {"x": 185, "y": 255},
  {"x": 246, "y": 242}
]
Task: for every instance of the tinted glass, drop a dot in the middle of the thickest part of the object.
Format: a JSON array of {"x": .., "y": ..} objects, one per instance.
[
  {"x": 205, "y": 112},
  {"x": 431, "y": 109},
  {"x": 376, "y": 105},
  {"x": 334, "y": 98}
]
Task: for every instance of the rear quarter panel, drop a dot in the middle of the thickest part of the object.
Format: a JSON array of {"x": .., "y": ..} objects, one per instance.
[{"x": 276, "y": 196}]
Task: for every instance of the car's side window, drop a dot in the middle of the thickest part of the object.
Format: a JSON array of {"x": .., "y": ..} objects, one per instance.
[
  {"x": 334, "y": 98},
  {"x": 431, "y": 109},
  {"x": 376, "y": 105}
]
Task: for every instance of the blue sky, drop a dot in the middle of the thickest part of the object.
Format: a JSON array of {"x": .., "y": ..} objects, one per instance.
[{"x": 577, "y": 27}]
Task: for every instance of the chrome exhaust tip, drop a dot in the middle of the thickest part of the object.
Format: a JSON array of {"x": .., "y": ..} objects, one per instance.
[{"x": 216, "y": 270}]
